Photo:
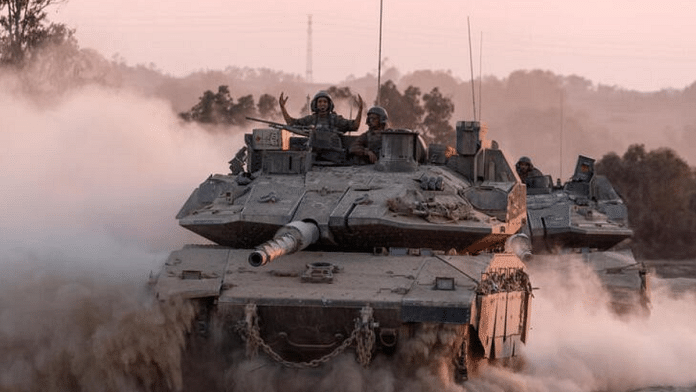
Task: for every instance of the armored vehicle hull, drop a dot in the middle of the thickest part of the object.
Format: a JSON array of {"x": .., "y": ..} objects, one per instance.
[
  {"x": 312, "y": 306},
  {"x": 585, "y": 216},
  {"x": 314, "y": 258}
]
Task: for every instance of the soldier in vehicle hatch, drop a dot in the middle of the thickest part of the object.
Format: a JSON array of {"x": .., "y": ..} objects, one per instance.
[
  {"x": 326, "y": 126},
  {"x": 525, "y": 169},
  {"x": 368, "y": 145},
  {"x": 323, "y": 115}
]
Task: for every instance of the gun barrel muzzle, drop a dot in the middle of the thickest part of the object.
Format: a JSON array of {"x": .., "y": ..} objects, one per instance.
[{"x": 290, "y": 238}]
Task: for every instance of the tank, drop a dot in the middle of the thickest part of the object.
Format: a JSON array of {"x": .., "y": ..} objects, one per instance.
[
  {"x": 585, "y": 216},
  {"x": 311, "y": 258}
]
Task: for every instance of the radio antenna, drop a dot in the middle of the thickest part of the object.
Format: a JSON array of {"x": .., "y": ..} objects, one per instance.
[
  {"x": 379, "y": 62},
  {"x": 560, "y": 146},
  {"x": 471, "y": 68},
  {"x": 480, "y": 76}
]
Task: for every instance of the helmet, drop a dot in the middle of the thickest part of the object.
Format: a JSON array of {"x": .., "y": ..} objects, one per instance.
[
  {"x": 321, "y": 94},
  {"x": 381, "y": 112},
  {"x": 521, "y": 161}
]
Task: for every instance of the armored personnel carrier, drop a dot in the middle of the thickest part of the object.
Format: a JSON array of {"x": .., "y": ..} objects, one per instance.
[
  {"x": 313, "y": 258},
  {"x": 586, "y": 216}
]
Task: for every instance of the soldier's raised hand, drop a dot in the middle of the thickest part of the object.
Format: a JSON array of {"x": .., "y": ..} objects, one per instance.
[
  {"x": 282, "y": 100},
  {"x": 359, "y": 101}
]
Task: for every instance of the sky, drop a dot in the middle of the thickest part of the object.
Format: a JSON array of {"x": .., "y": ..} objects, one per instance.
[{"x": 642, "y": 45}]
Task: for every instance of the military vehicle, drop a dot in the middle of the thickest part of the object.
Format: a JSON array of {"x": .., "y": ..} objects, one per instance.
[
  {"x": 586, "y": 216},
  {"x": 312, "y": 258}
]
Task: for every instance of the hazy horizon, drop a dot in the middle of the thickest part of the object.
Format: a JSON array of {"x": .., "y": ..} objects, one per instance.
[{"x": 637, "y": 45}]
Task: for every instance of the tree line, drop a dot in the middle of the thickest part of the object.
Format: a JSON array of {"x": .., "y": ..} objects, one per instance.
[
  {"x": 220, "y": 108},
  {"x": 659, "y": 189},
  {"x": 429, "y": 113}
]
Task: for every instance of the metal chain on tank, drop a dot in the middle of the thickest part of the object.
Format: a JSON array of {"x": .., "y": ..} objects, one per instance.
[
  {"x": 363, "y": 333},
  {"x": 365, "y": 326}
]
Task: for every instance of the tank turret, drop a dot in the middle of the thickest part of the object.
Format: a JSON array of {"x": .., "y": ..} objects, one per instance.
[{"x": 585, "y": 215}]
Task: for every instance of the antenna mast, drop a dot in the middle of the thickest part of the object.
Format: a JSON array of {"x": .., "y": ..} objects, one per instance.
[
  {"x": 560, "y": 147},
  {"x": 308, "y": 72},
  {"x": 480, "y": 76},
  {"x": 471, "y": 68},
  {"x": 379, "y": 62}
]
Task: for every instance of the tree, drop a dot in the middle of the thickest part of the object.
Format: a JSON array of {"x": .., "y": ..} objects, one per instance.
[
  {"x": 339, "y": 93},
  {"x": 212, "y": 108},
  {"x": 244, "y": 107},
  {"x": 404, "y": 110},
  {"x": 25, "y": 29},
  {"x": 436, "y": 123},
  {"x": 219, "y": 108},
  {"x": 659, "y": 189},
  {"x": 268, "y": 107}
]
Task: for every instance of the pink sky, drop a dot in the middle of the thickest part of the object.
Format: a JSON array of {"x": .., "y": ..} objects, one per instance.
[{"x": 640, "y": 44}]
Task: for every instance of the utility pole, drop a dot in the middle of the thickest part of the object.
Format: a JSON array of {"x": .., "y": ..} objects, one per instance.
[{"x": 308, "y": 72}]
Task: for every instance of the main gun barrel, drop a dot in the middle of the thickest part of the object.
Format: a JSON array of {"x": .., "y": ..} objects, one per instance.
[{"x": 290, "y": 238}]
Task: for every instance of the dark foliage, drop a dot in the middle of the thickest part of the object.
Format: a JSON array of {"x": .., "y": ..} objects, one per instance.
[
  {"x": 404, "y": 109},
  {"x": 338, "y": 95},
  {"x": 659, "y": 189},
  {"x": 25, "y": 29},
  {"x": 219, "y": 108},
  {"x": 268, "y": 107},
  {"x": 439, "y": 111},
  {"x": 431, "y": 117}
]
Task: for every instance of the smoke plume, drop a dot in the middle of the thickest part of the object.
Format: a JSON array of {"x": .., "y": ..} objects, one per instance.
[{"x": 91, "y": 183}]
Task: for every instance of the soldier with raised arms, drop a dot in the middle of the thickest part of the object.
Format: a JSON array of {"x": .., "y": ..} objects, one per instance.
[
  {"x": 323, "y": 115},
  {"x": 326, "y": 125}
]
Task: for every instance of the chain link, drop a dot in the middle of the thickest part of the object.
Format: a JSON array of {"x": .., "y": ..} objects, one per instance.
[
  {"x": 363, "y": 334},
  {"x": 365, "y": 343}
]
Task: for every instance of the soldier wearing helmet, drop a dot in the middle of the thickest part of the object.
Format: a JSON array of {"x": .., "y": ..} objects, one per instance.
[
  {"x": 323, "y": 115},
  {"x": 368, "y": 145},
  {"x": 525, "y": 169}
]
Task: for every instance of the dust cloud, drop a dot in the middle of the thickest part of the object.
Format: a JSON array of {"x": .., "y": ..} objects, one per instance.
[
  {"x": 577, "y": 344},
  {"x": 91, "y": 184}
]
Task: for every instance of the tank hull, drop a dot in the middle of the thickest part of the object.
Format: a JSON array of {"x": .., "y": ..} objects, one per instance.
[{"x": 308, "y": 305}]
